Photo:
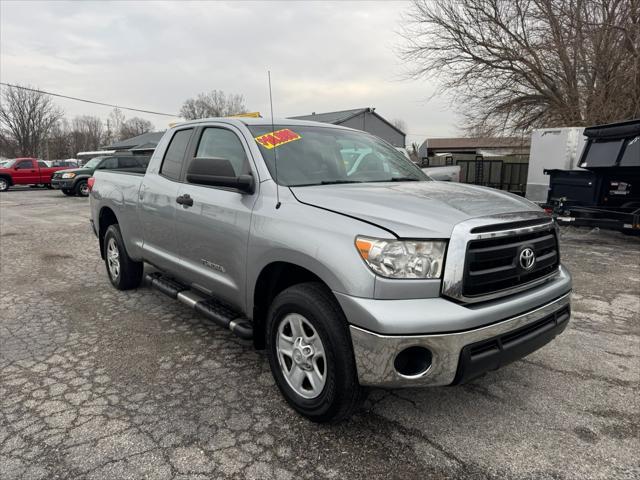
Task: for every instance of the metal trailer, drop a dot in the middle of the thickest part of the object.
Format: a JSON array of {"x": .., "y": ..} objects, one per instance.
[
  {"x": 606, "y": 193},
  {"x": 551, "y": 148}
]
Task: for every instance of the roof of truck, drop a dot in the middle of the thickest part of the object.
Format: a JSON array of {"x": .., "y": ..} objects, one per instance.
[{"x": 261, "y": 121}]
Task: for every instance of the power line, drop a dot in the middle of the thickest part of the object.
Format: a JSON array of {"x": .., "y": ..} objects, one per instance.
[{"x": 90, "y": 101}]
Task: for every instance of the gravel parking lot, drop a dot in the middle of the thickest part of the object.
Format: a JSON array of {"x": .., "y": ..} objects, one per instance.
[{"x": 97, "y": 383}]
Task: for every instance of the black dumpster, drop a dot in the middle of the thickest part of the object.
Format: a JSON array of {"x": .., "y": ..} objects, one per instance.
[{"x": 607, "y": 193}]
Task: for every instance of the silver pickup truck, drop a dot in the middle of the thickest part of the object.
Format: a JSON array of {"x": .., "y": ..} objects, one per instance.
[{"x": 330, "y": 249}]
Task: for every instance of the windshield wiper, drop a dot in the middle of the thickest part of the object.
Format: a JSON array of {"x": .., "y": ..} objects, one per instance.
[
  {"x": 335, "y": 182},
  {"x": 325, "y": 182},
  {"x": 398, "y": 179}
]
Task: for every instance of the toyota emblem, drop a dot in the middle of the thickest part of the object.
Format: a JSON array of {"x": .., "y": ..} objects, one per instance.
[{"x": 527, "y": 258}]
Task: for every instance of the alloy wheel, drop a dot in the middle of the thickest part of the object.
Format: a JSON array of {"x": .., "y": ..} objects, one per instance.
[
  {"x": 113, "y": 258},
  {"x": 301, "y": 356}
]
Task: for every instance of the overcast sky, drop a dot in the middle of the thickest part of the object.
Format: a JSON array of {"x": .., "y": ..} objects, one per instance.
[{"x": 323, "y": 57}]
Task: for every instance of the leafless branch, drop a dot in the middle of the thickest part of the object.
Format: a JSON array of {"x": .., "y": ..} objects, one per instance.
[{"x": 519, "y": 64}]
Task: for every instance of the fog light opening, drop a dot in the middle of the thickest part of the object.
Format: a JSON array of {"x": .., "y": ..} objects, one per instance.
[{"x": 413, "y": 361}]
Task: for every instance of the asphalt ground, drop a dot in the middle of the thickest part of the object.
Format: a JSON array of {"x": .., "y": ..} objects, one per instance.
[{"x": 97, "y": 383}]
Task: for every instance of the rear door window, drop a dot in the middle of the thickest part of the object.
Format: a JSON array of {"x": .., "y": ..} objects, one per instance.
[
  {"x": 110, "y": 163},
  {"x": 174, "y": 156},
  {"x": 127, "y": 162},
  {"x": 223, "y": 143}
]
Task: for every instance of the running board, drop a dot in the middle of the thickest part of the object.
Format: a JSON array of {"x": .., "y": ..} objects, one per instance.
[{"x": 211, "y": 308}]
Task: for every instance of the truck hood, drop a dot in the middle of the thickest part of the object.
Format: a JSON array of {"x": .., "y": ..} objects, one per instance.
[
  {"x": 77, "y": 171},
  {"x": 413, "y": 209}
]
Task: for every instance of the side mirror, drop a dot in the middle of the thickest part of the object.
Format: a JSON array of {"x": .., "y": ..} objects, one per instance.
[{"x": 218, "y": 172}]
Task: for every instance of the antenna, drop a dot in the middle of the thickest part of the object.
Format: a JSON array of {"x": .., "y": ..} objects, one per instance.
[{"x": 275, "y": 152}]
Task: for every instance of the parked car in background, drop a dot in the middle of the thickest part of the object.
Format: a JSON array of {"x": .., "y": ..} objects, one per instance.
[
  {"x": 26, "y": 171},
  {"x": 376, "y": 276},
  {"x": 74, "y": 181}
]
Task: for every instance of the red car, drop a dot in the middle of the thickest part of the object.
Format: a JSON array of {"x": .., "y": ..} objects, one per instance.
[{"x": 26, "y": 171}]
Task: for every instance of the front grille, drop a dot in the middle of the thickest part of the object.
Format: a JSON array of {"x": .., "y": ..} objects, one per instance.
[{"x": 493, "y": 264}]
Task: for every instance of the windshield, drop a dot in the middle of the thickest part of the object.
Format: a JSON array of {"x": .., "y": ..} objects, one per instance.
[
  {"x": 93, "y": 163},
  {"x": 321, "y": 155}
]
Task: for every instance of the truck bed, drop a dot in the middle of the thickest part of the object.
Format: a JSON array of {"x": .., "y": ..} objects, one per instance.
[{"x": 119, "y": 191}]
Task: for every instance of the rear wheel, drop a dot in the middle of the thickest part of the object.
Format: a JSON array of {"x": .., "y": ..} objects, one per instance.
[
  {"x": 4, "y": 184},
  {"x": 123, "y": 272},
  {"x": 310, "y": 353},
  {"x": 82, "y": 188}
]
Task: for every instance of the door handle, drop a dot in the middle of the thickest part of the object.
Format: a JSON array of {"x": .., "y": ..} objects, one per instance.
[{"x": 185, "y": 200}]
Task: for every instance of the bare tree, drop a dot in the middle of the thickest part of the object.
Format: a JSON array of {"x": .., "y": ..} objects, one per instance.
[
  {"x": 8, "y": 147},
  {"x": 26, "y": 117},
  {"x": 213, "y": 104},
  {"x": 135, "y": 126},
  {"x": 86, "y": 133},
  {"x": 518, "y": 64},
  {"x": 114, "y": 126},
  {"x": 58, "y": 141},
  {"x": 413, "y": 153},
  {"x": 399, "y": 124}
]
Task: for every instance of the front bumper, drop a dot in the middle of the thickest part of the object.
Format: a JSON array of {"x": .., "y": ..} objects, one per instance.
[
  {"x": 460, "y": 356},
  {"x": 59, "y": 183}
]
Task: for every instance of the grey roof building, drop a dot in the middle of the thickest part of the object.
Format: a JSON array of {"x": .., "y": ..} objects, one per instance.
[
  {"x": 365, "y": 119},
  {"x": 144, "y": 143}
]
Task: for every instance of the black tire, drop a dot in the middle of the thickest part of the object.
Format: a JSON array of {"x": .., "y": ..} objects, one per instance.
[
  {"x": 129, "y": 273},
  {"x": 81, "y": 188},
  {"x": 4, "y": 184},
  {"x": 341, "y": 394},
  {"x": 68, "y": 192}
]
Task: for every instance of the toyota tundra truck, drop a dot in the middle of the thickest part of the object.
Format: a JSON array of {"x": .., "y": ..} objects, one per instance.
[{"x": 348, "y": 277}]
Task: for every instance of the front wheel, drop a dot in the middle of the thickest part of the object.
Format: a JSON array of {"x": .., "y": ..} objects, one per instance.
[
  {"x": 82, "y": 188},
  {"x": 123, "y": 272},
  {"x": 4, "y": 184},
  {"x": 310, "y": 353}
]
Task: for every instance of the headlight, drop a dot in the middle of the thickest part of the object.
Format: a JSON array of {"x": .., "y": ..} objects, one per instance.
[
  {"x": 68, "y": 175},
  {"x": 402, "y": 258}
]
